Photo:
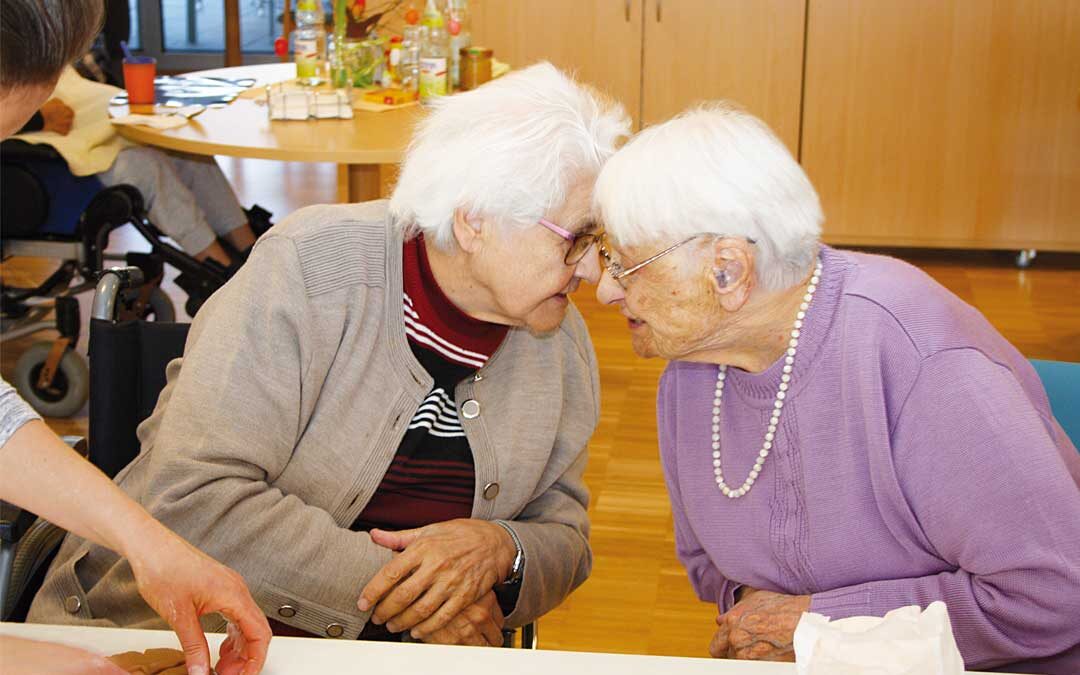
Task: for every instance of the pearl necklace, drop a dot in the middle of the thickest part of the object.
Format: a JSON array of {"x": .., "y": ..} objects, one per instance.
[{"x": 785, "y": 384}]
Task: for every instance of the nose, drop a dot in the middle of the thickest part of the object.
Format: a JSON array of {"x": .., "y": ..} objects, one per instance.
[
  {"x": 588, "y": 268},
  {"x": 608, "y": 291}
]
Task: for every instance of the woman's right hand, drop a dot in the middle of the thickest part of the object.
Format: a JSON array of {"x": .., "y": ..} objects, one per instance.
[
  {"x": 181, "y": 583},
  {"x": 32, "y": 657}
]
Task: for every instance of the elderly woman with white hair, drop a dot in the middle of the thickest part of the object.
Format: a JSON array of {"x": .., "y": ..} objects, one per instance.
[
  {"x": 401, "y": 377},
  {"x": 839, "y": 433}
]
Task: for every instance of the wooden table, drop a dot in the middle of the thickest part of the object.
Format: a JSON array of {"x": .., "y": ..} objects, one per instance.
[
  {"x": 243, "y": 129},
  {"x": 300, "y": 656}
]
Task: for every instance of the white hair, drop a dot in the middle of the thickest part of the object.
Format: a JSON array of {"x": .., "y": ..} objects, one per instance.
[
  {"x": 714, "y": 169},
  {"x": 507, "y": 150}
]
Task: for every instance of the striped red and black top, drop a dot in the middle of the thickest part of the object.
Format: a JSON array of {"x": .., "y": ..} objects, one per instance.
[{"x": 432, "y": 478}]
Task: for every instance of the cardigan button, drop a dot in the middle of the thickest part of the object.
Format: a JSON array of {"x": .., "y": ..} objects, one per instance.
[
  {"x": 287, "y": 611},
  {"x": 491, "y": 491},
  {"x": 335, "y": 630},
  {"x": 470, "y": 409},
  {"x": 72, "y": 604}
]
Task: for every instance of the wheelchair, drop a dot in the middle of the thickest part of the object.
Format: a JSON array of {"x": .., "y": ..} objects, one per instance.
[
  {"x": 128, "y": 360},
  {"x": 47, "y": 212}
]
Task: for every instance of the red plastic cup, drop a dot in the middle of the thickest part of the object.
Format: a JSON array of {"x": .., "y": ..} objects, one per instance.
[{"x": 139, "y": 75}]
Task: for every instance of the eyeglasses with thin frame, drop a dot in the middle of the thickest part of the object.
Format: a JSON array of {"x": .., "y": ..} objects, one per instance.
[
  {"x": 618, "y": 272},
  {"x": 580, "y": 243}
]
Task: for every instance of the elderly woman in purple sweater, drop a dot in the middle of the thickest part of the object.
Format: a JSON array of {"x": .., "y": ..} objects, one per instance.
[{"x": 839, "y": 433}]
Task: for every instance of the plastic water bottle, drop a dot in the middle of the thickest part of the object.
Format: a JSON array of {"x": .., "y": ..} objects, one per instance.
[
  {"x": 309, "y": 42},
  {"x": 435, "y": 65},
  {"x": 434, "y": 56}
]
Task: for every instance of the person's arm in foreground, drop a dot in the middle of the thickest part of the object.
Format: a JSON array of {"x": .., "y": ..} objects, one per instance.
[{"x": 43, "y": 475}]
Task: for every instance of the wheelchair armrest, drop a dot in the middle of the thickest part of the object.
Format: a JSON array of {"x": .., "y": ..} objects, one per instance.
[
  {"x": 21, "y": 561},
  {"x": 111, "y": 282}
]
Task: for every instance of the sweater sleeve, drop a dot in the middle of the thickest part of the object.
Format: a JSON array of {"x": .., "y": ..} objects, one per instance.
[
  {"x": 14, "y": 412},
  {"x": 230, "y": 425},
  {"x": 707, "y": 581},
  {"x": 992, "y": 495}
]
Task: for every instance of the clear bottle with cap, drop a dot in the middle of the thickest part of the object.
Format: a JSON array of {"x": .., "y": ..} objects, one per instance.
[
  {"x": 434, "y": 56},
  {"x": 309, "y": 42}
]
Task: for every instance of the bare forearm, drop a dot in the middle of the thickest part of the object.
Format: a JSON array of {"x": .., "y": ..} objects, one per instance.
[{"x": 40, "y": 473}]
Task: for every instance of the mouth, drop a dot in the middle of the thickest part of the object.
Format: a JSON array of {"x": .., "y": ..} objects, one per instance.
[{"x": 634, "y": 324}]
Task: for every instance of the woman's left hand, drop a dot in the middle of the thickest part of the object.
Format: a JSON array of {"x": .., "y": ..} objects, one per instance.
[
  {"x": 760, "y": 627},
  {"x": 442, "y": 569}
]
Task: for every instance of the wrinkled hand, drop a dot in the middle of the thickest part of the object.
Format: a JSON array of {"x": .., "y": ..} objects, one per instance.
[
  {"x": 57, "y": 116},
  {"x": 30, "y": 657},
  {"x": 181, "y": 583},
  {"x": 760, "y": 627},
  {"x": 443, "y": 568},
  {"x": 480, "y": 624}
]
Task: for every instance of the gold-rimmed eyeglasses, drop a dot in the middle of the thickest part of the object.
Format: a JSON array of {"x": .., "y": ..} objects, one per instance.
[{"x": 619, "y": 273}]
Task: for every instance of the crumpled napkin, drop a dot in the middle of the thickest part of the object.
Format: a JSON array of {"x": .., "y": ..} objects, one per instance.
[
  {"x": 905, "y": 641},
  {"x": 155, "y": 121}
]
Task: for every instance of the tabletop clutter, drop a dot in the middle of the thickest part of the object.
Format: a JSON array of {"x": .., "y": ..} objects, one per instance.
[{"x": 360, "y": 65}]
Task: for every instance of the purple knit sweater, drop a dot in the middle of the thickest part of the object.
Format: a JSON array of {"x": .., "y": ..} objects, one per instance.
[{"x": 916, "y": 460}]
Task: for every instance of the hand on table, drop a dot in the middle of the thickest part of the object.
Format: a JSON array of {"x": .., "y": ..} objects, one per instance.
[
  {"x": 442, "y": 569},
  {"x": 480, "y": 624},
  {"x": 761, "y": 627},
  {"x": 181, "y": 583},
  {"x": 31, "y": 657},
  {"x": 57, "y": 116}
]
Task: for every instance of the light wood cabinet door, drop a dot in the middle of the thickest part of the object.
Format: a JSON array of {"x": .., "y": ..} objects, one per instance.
[
  {"x": 599, "y": 40},
  {"x": 748, "y": 51},
  {"x": 949, "y": 123}
]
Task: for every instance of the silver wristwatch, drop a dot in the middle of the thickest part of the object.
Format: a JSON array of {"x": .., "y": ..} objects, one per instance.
[{"x": 518, "y": 568}]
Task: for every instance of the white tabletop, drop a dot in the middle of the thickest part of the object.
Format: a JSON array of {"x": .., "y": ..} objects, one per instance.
[{"x": 298, "y": 656}]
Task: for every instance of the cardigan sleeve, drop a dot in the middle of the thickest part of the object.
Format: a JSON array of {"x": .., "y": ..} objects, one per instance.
[
  {"x": 992, "y": 493},
  {"x": 232, "y": 420}
]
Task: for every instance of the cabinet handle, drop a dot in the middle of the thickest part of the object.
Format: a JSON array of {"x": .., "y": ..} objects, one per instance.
[
  {"x": 626, "y": 6},
  {"x": 659, "y": 11}
]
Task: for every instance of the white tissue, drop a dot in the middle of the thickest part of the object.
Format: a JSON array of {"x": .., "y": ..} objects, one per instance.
[{"x": 905, "y": 642}]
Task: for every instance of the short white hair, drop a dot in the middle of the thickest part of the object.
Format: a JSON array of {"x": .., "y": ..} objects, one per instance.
[
  {"x": 714, "y": 169},
  {"x": 507, "y": 150}
]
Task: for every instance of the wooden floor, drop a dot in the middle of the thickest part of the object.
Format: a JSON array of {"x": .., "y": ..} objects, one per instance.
[{"x": 638, "y": 599}]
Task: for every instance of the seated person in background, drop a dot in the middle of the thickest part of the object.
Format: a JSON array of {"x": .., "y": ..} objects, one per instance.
[
  {"x": 412, "y": 366},
  {"x": 188, "y": 197},
  {"x": 839, "y": 433}
]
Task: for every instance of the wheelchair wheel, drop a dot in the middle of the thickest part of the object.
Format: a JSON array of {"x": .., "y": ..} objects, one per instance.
[{"x": 70, "y": 387}]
